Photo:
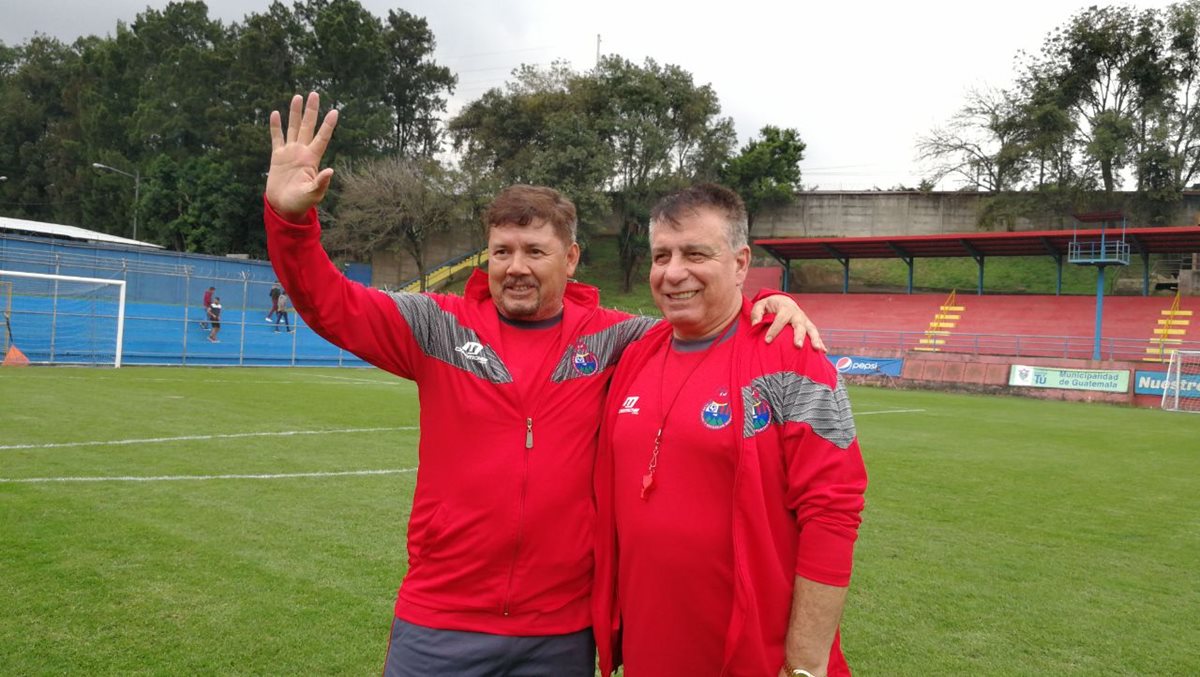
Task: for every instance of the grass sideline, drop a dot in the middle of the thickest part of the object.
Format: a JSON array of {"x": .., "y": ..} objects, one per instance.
[{"x": 1002, "y": 535}]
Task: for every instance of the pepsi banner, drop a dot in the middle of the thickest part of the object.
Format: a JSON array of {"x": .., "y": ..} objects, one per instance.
[
  {"x": 1151, "y": 383},
  {"x": 867, "y": 366}
]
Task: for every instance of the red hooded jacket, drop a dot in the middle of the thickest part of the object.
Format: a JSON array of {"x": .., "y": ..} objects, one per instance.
[
  {"x": 501, "y": 534},
  {"x": 798, "y": 489}
]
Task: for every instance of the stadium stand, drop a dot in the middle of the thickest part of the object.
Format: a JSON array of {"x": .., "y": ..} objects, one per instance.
[
  {"x": 765, "y": 277},
  {"x": 1054, "y": 326}
]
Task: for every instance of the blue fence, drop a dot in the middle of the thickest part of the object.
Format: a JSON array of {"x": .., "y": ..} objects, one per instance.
[{"x": 76, "y": 323}]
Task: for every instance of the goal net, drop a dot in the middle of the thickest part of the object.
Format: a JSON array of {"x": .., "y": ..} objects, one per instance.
[
  {"x": 1181, "y": 387},
  {"x": 61, "y": 319}
]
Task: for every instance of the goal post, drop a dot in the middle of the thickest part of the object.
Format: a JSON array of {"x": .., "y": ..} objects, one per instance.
[
  {"x": 1181, "y": 387},
  {"x": 6, "y": 309},
  {"x": 64, "y": 319}
]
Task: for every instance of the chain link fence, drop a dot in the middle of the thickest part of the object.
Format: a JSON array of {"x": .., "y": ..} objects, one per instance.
[{"x": 165, "y": 320}]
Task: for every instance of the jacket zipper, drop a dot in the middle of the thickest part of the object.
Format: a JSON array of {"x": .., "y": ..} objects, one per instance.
[{"x": 512, "y": 568}]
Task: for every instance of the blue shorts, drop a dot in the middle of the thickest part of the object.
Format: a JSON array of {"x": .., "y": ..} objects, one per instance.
[{"x": 418, "y": 651}]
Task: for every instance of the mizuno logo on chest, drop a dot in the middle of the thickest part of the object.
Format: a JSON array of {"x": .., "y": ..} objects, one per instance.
[
  {"x": 629, "y": 406},
  {"x": 471, "y": 350}
]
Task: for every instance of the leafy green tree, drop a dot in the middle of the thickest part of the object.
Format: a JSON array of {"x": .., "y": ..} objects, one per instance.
[
  {"x": 1047, "y": 133},
  {"x": 179, "y": 57},
  {"x": 767, "y": 171},
  {"x": 36, "y": 127},
  {"x": 1113, "y": 91},
  {"x": 182, "y": 100},
  {"x": 540, "y": 129},
  {"x": 663, "y": 130},
  {"x": 192, "y": 205},
  {"x": 1093, "y": 61},
  {"x": 1180, "y": 112},
  {"x": 346, "y": 59},
  {"x": 415, "y": 85}
]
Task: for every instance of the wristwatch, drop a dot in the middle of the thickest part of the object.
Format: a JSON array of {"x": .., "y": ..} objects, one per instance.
[{"x": 796, "y": 672}]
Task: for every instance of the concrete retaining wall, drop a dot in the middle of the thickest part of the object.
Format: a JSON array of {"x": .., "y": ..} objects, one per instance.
[{"x": 880, "y": 213}]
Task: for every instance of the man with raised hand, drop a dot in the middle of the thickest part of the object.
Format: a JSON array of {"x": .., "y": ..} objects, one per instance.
[
  {"x": 511, "y": 376},
  {"x": 729, "y": 481}
]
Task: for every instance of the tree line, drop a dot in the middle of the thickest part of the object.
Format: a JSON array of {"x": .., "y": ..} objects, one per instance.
[
  {"x": 1110, "y": 101},
  {"x": 174, "y": 107}
]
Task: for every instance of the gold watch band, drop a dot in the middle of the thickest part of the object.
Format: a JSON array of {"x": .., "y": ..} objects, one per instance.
[{"x": 796, "y": 672}]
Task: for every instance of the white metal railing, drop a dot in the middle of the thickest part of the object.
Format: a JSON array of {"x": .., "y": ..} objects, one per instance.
[
  {"x": 1112, "y": 348},
  {"x": 1106, "y": 251}
]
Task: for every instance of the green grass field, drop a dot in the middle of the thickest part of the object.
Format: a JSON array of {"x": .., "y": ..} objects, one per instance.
[{"x": 239, "y": 532}]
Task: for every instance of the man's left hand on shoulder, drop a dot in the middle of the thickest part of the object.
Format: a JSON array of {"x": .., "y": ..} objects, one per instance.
[{"x": 787, "y": 313}]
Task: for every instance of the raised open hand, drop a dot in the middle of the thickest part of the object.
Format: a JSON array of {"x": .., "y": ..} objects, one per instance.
[{"x": 296, "y": 181}]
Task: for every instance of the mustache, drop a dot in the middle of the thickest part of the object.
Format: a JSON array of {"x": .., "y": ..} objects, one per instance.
[{"x": 530, "y": 281}]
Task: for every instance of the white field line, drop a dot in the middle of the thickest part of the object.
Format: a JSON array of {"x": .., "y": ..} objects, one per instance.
[
  {"x": 193, "y": 478},
  {"x": 191, "y": 438},
  {"x": 392, "y": 382},
  {"x": 889, "y": 411},
  {"x": 389, "y": 382}
]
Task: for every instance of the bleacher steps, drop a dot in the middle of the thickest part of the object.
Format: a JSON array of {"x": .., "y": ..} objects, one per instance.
[
  {"x": 1173, "y": 323},
  {"x": 944, "y": 320}
]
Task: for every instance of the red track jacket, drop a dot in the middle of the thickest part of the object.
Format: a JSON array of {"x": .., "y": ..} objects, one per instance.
[
  {"x": 798, "y": 495},
  {"x": 501, "y": 534}
]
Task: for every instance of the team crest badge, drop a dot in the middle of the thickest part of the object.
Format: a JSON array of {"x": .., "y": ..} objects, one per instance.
[
  {"x": 760, "y": 412},
  {"x": 717, "y": 412},
  {"x": 585, "y": 361}
]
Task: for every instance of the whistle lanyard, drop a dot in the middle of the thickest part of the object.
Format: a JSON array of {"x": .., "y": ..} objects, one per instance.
[{"x": 652, "y": 468}]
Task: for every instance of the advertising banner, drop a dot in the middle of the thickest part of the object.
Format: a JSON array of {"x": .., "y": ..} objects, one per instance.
[
  {"x": 869, "y": 366},
  {"x": 1104, "y": 380},
  {"x": 1151, "y": 383}
]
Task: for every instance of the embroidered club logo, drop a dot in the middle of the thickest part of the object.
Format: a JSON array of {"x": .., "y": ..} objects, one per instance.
[
  {"x": 585, "y": 361},
  {"x": 717, "y": 413},
  {"x": 760, "y": 412}
]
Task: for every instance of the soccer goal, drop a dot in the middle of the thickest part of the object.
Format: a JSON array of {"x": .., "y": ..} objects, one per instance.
[
  {"x": 62, "y": 319},
  {"x": 1181, "y": 387},
  {"x": 6, "y": 308}
]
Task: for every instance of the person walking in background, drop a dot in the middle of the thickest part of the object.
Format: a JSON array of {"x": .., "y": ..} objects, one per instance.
[
  {"x": 208, "y": 297},
  {"x": 214, "y": 318},
  {"x": 281, "y": 312},
  {"x": 276, "y": 290}
]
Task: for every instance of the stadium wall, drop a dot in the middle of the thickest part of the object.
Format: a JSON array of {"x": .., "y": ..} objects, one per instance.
[
  {"x": 877, "y": 213},
  {"x": 992, "y": 374}
]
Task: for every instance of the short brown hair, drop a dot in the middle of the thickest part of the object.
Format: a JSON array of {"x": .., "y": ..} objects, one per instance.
[
  {"x": 713, "y": 196},
  {"x": 521, "y": 204}
]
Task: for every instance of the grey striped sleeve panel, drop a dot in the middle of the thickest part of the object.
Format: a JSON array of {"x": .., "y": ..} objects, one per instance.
[
  {"x": 604, "y": 347},
  {"x": 798, "y": 399},
  {"x": 442, "y": 337}
]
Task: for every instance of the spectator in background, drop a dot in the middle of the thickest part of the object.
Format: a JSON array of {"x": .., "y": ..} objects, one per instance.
[
  {"x": 208, "y": 297},
  {"x": 214, "y": 318},
  {"x": 281, "y": 312},
  {"x": 276, "y": 290}
]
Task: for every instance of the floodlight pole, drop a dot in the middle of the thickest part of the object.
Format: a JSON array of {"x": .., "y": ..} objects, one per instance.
[{"x": 137, "y": 189}]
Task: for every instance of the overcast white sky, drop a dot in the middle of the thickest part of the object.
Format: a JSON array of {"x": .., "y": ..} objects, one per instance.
[{"x": 860, "y": 80}]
